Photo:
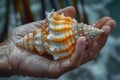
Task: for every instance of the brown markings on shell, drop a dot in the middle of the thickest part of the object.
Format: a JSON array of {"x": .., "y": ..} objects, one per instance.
[
  {"x": 44, "y": 37},
  {"x": 62, "y": 29},
  {"x": 68, "y": 40},
  {"x": 67, "y": 22},
  {"x": 26, "y": 39},
  {"x": 30, "y": 39},
  {"x": 56, "y": 16}
]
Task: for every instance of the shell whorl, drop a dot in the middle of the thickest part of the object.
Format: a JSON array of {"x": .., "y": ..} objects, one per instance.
[
  {"x": 60, "y": 40},
  {"x": 32, "y": 41},
  {"x": 59, "y": 36}
]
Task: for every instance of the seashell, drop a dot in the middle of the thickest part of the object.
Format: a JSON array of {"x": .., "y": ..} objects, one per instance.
[{"x": 58, "y": 36}]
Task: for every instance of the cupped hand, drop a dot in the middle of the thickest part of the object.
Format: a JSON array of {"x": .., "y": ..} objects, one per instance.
[
  {"x": 94, "y": 46},
  {"x": 30, "y": 63}
]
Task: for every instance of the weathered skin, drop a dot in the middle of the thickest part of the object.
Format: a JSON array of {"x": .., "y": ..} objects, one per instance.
[{"x": 15, "y": 60}]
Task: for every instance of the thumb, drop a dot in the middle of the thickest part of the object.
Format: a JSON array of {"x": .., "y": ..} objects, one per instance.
[
  {"x": 75, "y": 60},
  {"x": 79, "y": 50},
  {"x": 68, "y": 11}
]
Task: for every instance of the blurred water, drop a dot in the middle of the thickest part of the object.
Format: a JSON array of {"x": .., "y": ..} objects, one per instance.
[{"x": 107, "y": 65}]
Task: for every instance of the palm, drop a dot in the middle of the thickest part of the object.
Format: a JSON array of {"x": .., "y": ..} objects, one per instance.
[
  {"x": 30, "y": 63},
  {"x": 25, "y": 59}
]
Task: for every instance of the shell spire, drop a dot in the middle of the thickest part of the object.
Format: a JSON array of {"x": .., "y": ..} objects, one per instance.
[
  {"x": 88, "y": 31},
  {"x": 58, "y": 37},
  {"x": 32, "y": 41}
]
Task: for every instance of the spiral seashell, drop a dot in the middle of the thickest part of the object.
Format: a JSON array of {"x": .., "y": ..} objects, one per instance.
[{"x": 58, "y": 36}]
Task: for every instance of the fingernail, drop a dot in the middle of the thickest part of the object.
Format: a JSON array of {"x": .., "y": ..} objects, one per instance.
[
  {"x": 107, "y": 29},
  {"x": 82, "y": 38}
]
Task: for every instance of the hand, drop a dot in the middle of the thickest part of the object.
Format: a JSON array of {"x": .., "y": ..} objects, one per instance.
[
  {"x": 29, "y": 63},
  {"x": 93, "y": 47}
]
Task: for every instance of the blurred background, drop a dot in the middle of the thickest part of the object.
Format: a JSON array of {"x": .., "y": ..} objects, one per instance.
[{"x": 107, "y": 64}]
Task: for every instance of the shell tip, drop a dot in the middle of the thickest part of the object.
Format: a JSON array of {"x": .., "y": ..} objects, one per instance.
[{"x": 49, "y": 13}]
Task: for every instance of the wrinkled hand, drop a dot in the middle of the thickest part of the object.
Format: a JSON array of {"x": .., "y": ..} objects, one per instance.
[
  {"x": 93, "y": 47},
  {"x": 29, "y": 63}
]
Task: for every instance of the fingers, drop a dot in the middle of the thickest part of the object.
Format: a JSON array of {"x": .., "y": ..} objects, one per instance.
[
  {"x": 102, "y": 21},
  {"x": 106, "y": 21},
  {"x": 107, "y": 24},
  {"x": 101, "y": 40},
  {"x": 79, "y": 50},
  {"x": 57, "y": 68},
  {"x": 68, "y": 11},
  {"x": 75, "y": 59},
  {"x": 111, "y": 23},
  {"x": 98, "y": 44}
]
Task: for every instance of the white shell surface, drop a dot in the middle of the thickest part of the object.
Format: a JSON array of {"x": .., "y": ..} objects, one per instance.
[{"x": 60, "y": 34}]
